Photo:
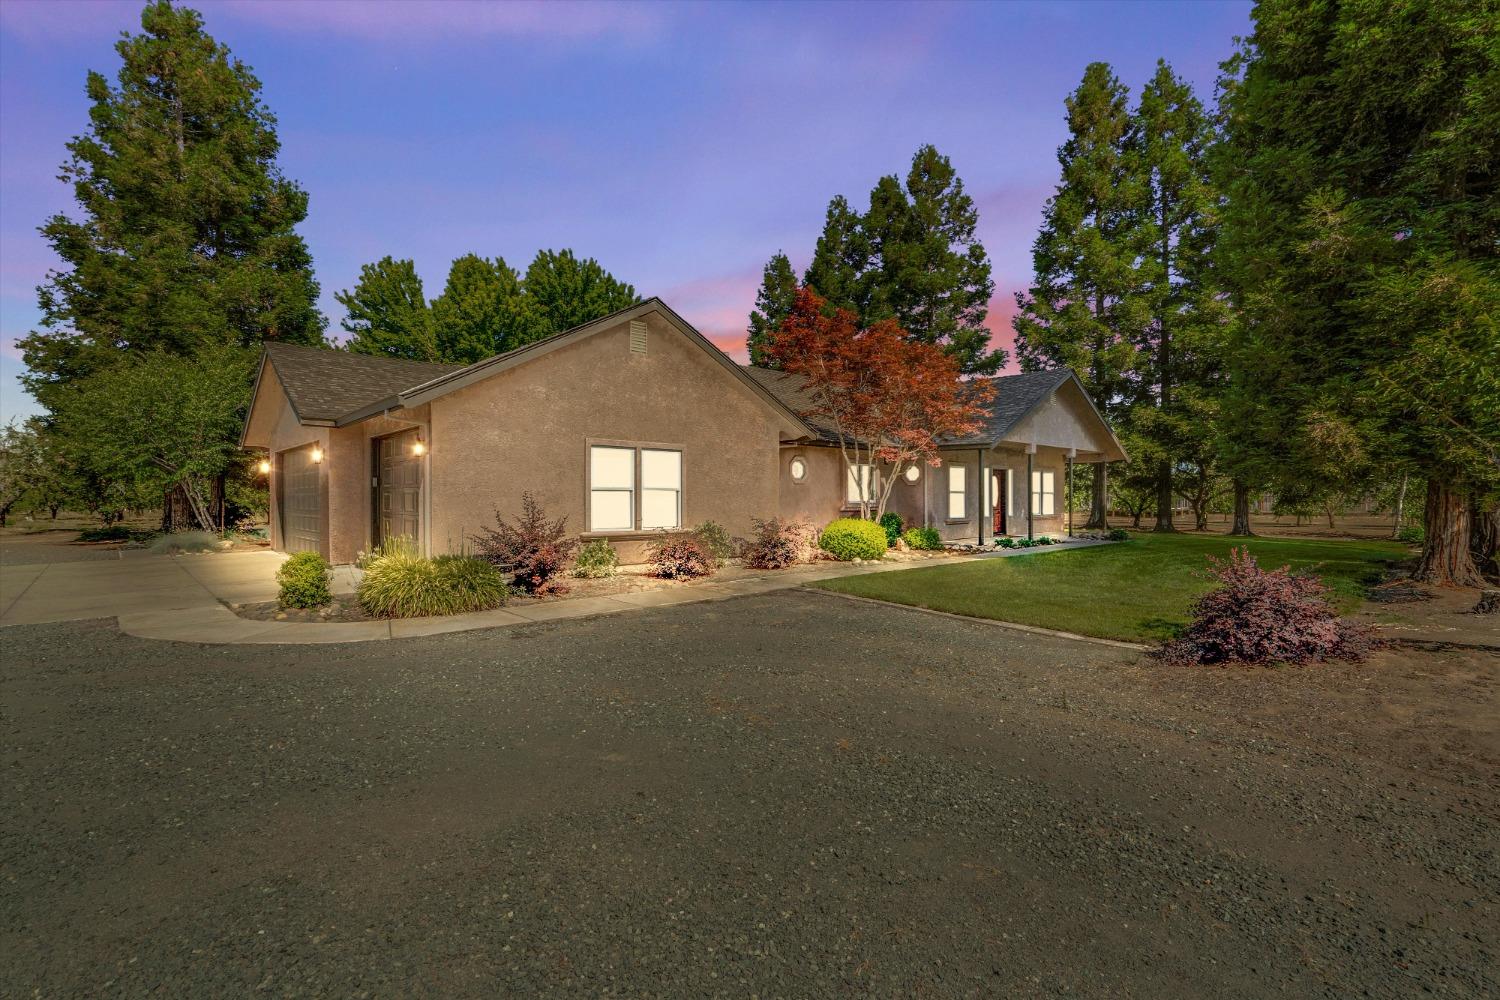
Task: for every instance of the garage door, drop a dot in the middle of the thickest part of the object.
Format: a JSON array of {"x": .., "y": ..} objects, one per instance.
[
  {"x": 301, "y": 502},
  {"x": 398, "y": 487}
]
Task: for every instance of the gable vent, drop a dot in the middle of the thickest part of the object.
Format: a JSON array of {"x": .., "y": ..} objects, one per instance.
[{"x": 637, "y": 336}]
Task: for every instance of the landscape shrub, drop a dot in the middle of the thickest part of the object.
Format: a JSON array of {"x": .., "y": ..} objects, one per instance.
[
  {"x": 1119, "y": 535},
  {"x": 304, "y": 580},
  {"x": 774, "y": 544},
  {"x": 853, "y": 538},
  {"x": 924, "y": 538},
  {"x": 891, "y": 522},
  {"x": 1006, "y": 542},
  {"x": 1045, "y": 540},
  {"x": 596, "y": 560},
  {"x": 1260, "y": 616},
  {"x": 397, "y": 545},
  {"x": 715, "y": 538},
  {"x": 1024, "y": 543},
  {"x": 402, "y": 584},
  {"x": 535, "y": 550},
  {"x": 108, "y": 533},
  {"x": 680, "y": 556},
  {"x": 187, "y": 541},
  {"x": 1412, "y": 534}
]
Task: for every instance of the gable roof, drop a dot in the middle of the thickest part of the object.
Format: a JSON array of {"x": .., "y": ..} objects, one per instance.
[
  {"x": 323, "y": 384},
  {"x": 338, "y": 388},
  {"x": 1015, "y": 397}
]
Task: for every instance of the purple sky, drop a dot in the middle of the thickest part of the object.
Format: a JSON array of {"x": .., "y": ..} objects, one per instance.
[{"x": 681, "y": 145}]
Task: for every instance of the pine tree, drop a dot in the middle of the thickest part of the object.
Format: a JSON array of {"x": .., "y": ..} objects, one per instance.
[
  {"x": 778, "y": 292},
  {"x": 1087, "y": 306},
  {"x": 187, "y": 236},
  {"x": 1181, "y": 345},
  {"x": 561, "y": 292},
  {"x": 1362, "y": 235},
  {"x": 928, "y": 270},
  {"x": 388, "y": 314},
  {"x": 479, "y": 313},
  {"x": 840, "y": 258}
]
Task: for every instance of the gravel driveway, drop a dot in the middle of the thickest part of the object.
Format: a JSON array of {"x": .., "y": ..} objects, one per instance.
[{"x": 786, "y": 795}]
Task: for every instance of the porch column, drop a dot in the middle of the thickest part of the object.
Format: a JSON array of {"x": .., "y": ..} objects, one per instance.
[
  {"x": 1072, "y": 454},
  {"x": 1030, "y": 495},
  {"x": 984, "y": 490}
]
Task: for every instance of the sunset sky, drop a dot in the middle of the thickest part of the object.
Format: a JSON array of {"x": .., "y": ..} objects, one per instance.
[{"x": 681, "y": 145}]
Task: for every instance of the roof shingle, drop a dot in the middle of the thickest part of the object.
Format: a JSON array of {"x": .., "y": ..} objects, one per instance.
[{"x": 325, "y": 384}]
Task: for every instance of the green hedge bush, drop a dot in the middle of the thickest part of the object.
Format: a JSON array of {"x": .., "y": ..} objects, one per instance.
[
  {"x": 925, "y": 538},
  {"x": 596, "y": 560},
  {"x": 891, "y": 522},
  {"x": 853, "y": 538},
  {"x": 1119, "y": 535},
  {"x": 304, "y": 580},
  {"x": 716, "y": 539},
  {"x": 404, "y": 585},
  {"x": 109, "y": 533}
]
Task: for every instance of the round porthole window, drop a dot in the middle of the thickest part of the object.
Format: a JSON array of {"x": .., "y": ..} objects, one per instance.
[
  {"x": 913, "y": 473},
  {"x": 799, "y": 470}
]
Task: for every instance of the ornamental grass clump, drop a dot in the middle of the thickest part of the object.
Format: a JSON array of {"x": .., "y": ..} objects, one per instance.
[
  {"x": 853, "y": 538},
  {"x": 402, "y": 584},
  {"x": 1265, "y": 616},
  {"x": 534, "y": 549},
  {"x": 680, "y": 556},
  {"x": 304, "y": 581}
]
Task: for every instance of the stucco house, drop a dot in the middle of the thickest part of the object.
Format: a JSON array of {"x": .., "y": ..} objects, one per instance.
[{"x": 628, "y": 425}]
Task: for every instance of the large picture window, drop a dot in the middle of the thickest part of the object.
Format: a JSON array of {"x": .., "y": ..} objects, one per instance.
[
  {"x": 1043, "y": 493},
  {"x": 634, "y": 489},
  {"x": 957, "y": 492}
]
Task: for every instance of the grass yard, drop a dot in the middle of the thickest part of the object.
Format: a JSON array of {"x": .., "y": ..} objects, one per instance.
[{"x": 1138, "y": 590}]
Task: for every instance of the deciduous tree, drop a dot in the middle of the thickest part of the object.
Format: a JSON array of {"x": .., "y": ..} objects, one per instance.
[
  {"x": 388, "y": 314},
  {"x": 480, "y": 311},
  {"x": 561, "y": 292}
]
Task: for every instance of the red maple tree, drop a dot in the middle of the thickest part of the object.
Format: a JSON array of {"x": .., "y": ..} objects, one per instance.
[{"x": 886, "y": 397}]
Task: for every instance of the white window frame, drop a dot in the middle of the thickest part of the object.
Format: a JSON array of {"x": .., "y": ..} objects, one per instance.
[
  {"x": 959, "y": 473},
  {"x": 908, "y": 478},
  {"x": 637, "y": 487},
  {"x": 792, "y": 469},
  {"x": 1010, "y": 492},
  {"x": 851, "y": 487},
  {"x": 1043, "y": 492}
]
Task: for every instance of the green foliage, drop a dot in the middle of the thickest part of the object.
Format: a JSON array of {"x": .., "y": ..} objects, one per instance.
[
  {"x": 187, "y": 233},
  {"x": 853, "y": 538},
  {"x": 1005, "y": 542},
  {"x": 562, "y": 292},
  {"x": 892, "y": 523},
  {"x": 840, "y": 259},
  {"x": 1044, "y": 540},
  {"x": 1119, "y": 535},
  {"x": 155, "y": 421},
  {"x": 388, "y": 314},
  {"x": 401, "y": 584},
  {"x": 716, "y": 538},
  {"x": 108, "y": 533},
  {"x": 1411, "y": 534},
  {"x": 778, "y": 290},
  {"x": 597, "y": 559},
  {"x": 480, "y": 311},
  {"x": 33, "y": 472},
  {"x": 924, "y": 538},
  {"x": 304, "y": 581}
]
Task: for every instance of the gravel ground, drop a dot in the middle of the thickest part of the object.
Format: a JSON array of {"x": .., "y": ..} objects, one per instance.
[{"x": 787, "y": 795}]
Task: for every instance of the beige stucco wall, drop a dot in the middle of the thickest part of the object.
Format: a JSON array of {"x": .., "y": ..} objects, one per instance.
[
  {"x": 529, "y": 428},
  {"x": 819, "y": 497}
]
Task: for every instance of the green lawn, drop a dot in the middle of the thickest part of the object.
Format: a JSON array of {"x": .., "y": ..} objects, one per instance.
[{"x": 1137, "y": 590}]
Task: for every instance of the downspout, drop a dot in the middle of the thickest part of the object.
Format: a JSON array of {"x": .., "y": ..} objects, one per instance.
[{"x": 1030, "y": 491}]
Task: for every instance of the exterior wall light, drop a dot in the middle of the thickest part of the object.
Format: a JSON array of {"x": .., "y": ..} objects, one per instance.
[
  {"x": 317, "y": 454},
  {"x": 419, "y": 447},
  {"x": 263, "y": 467}
]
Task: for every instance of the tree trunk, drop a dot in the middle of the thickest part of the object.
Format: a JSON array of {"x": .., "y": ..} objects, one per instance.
[
  {"x": 1164, "y": 498},
  {"x": 1241, "y": 510},
  {"x": 1484, "y": 538},
  {"x": 1328, "y": 513},
  {"x": 1400, "y": 505},
  {"x": 55, "y": 510},
  {"x": 1099, "y": 509},
  {"x": 1445, "y": 552},
  {"x": 1200, "y": 516}
]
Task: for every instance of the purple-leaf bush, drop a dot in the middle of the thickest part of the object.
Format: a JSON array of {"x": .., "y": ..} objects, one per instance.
[
  {"x": 536, "y": 550},
  {"x": 776, "y": 544},
  {"x": 1265, "y": 616},
  {"x": 681, "y": 556}
]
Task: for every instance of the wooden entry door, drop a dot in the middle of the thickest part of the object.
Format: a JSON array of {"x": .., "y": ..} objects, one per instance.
[
  {"x": 999, "y": 500},
  {"x": 398, "y": 487}
]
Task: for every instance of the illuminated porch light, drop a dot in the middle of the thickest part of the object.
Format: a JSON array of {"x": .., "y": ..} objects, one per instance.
[
  {"x": 419, "y": 447},
  {"x": 263, "y": 467},
  {"x": 317, "y": 454}
]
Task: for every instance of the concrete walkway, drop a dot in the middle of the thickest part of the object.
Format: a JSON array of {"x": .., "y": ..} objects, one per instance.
[{"x": 184, "y": 598}]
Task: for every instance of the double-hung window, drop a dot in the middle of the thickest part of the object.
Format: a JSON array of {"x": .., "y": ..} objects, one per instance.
[
  {"x": 859, "y": 474},
  {"x": 1043, "y": 493},
  {"x": 957, "y": 492},
  {"x": 634, "y": 489}
]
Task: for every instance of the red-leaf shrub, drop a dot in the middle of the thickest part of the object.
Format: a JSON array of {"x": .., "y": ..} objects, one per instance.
[
  {"x": 1260, "y": 616},
  {"x": 535, "y": 549},
  {"x": 681, "y": 557},
  {"x": 777, "y": 544}
]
